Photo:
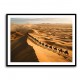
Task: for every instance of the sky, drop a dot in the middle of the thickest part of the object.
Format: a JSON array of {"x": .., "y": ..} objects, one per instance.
[{"x": 40, "y": 20}]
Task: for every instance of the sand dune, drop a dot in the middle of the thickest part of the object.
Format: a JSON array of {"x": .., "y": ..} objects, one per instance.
[
  {"x": 22, "y": 52},
  {"x": 45, "y": 55},
  {"x": 25, "y": 50}
]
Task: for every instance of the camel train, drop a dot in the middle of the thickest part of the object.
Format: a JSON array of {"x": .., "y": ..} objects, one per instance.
[{"x": 55, "y": 49}]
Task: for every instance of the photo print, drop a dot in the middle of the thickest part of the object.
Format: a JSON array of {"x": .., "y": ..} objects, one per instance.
[{"x": 41, "y": 39}]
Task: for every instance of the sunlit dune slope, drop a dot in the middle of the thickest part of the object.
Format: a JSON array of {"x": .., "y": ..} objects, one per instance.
[{"x": 45, "y": 55}]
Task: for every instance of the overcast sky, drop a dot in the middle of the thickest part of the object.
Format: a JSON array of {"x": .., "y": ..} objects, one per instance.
[{"x": 40, "y": 20}]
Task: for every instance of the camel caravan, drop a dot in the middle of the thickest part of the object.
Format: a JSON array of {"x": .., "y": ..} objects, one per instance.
[{"x": 60, "y": 51}]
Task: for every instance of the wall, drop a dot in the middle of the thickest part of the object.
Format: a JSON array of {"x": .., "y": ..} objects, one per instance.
[{"x": 38, "y": 73}]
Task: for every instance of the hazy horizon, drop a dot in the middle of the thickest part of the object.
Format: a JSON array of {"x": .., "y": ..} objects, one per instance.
[{"x": 40, "y": 20}]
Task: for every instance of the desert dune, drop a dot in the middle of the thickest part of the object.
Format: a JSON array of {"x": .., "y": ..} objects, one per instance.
[{"x": 25, "y": 49}]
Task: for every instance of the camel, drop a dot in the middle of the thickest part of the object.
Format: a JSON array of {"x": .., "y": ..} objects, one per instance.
[
  {"x": 50, "y": 47},
  {"x": 66, "y": 52},
  {"x": 42, "y": 43},
  {"x": 55, "y": 48},
  {"x": 60, "y": 50},
  {"x": 46, "y": 45}
]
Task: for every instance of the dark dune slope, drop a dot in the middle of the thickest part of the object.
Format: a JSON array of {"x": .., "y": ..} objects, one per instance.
[{"x": 21, "y": 51}]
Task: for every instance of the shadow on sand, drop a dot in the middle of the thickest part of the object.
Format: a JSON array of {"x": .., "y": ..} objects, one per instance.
[{"x": 22, "y": 52}]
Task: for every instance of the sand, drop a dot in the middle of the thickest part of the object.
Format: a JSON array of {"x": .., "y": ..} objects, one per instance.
[{"x": 45, "y": 55}]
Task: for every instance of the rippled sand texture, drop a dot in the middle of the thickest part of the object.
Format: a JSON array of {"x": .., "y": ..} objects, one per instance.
[{"x": 24, "y": 49}]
